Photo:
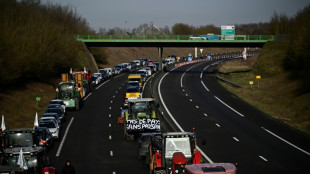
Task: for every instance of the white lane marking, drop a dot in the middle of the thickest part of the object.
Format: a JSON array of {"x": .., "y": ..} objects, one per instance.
[
  {"x": 203, "y": 84},
  {"x": 218, "y": 125},
  {"x": 229, "y": 106},
  {"x": 64, "y": 137},
  {"x": 263, "y": 158},
  {"x": 184, "y": 74},
  {"x": 183, "y": 90},
  {"x": 113, "y": 172},
  {"x": 186, "y": 94},
  {"x": 109, "y": 115},
  {"x": 190, "y": 100},
  {"x": 173, "y": 119},
  {"x": 203, "y": 71},
  {"x": 206, "y": 67},
  {"x": 146, "y": 82},
  {"x": 113, "y": 96},
  {"x": 110, "y": 137},
  {"x": 110, "y": 107},
  {"x": 205, "y": 114},
  {"x": 109, "y": 124},
  {"x": 236, "y": 139},
  {"x": 87, "y": 96},
  {"x": 197, "y": 107},
  {"x": 116, "y": 92},
  {"x": 287, "y": 142},
  {"x": 111, "y": 153},
  {"x": 120, "y": 88},
  {"x": 201, "y": 74},
  {"x": 111, "y": 101},
  {"x": 102, "y": 84},
  {"x": 119, "y": 76}
]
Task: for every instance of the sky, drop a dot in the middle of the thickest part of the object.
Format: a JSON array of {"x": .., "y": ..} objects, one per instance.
[{"x": 131, "y": 13}]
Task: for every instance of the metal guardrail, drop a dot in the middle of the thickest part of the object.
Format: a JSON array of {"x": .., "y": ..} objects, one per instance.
[{"x": 174, "y": 38}]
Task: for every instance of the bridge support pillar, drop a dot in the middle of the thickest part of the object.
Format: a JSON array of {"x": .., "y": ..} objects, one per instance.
[{"x": 160, "y": 55}]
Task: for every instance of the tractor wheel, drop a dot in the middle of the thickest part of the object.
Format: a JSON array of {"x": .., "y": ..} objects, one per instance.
[{"x": 77, "y": 104}]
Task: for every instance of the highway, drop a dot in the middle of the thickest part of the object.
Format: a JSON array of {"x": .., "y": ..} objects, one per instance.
[
  {"x": 94, "y": 141},
  {"x": 190, "y": 96},
  {"x": 233, "y": 130}
]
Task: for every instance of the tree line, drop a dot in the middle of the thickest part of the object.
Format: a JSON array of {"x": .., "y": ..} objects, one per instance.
[{"x": 37, "y": 41}]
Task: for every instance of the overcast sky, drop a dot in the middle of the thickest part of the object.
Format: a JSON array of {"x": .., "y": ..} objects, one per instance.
[{"x": 131, "y": 13}]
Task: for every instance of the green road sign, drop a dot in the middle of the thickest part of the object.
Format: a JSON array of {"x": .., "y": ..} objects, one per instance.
[{"x": 38, "y": 98}]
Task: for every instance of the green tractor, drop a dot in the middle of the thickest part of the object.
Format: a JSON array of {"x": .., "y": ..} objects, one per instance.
[{"x": 70, "y": 94}]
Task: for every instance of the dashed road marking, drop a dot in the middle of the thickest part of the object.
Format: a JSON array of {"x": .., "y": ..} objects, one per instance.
[
  {"x": 229, "y": 107},
  {"x": 183, "y": 90},
  {"x": 110, "y": 137},
  {"x": 263, "y": 158},
  {"x": 109, "y": 124},
  {"x": 287, "y": 142},
  {"x": 190, "y": 100},
  {"x": 205, "y": 114},
  {"x": 111, "y": 153},
  {"x": 116, "y": 92},
  {"x": 113, "y": 96},
  {"x": 186, "y": 94},
  {"x": 236, "y": 139},
  {"x": 218, "y": 125},
  {"x": 109, "y": 115},
  {"x": 110, "y": 108},
  {"x": 197, "y": 107},
  {"x": 111, "y": 101},
  {"x": 113, "y": 172}
]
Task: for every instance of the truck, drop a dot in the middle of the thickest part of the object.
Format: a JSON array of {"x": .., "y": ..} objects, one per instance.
[
  {"x": 70, "y": 92},
  {"x": 141, "y": 117},
  {"x": 13, "y": 140},
  {"x": 172, "y": 151}
]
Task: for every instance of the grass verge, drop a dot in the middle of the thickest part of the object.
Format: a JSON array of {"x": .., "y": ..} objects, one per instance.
[{"x": 273, "y": 94}]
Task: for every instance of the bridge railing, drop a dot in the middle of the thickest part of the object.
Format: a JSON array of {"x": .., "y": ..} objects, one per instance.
[{"x": 176, "y": 37}]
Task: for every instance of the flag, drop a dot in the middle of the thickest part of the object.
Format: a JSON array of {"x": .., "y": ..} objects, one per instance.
[
  {"x": 3, "y": 124},
  {"x": 36, "y": 123},
  {"x": 21, "y": 160}
]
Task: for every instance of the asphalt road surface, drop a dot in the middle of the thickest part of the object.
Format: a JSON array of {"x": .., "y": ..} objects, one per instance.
[
  {"x": 233, "y": 130},
  {"x": 94, "y": 140}
]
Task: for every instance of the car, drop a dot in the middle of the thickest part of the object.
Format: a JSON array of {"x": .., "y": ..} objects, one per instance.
[
  {"x": 152, "y": 67},
  {"x": 52, "y": 115},
  {"x": 128, "y": 66},
  {"x": 124, "y": 109},
  {"x": 143, "y": 143},
  {"x": 95, "y": 79},
  {"x": 132, "y": 92},
  {"x": 134, "y": 83},
  {"x": 56, "y": 106},
  {"x": 157, "y": 65},
  {"x": 137, "y": 62},
  {"x": 143, "y": 74},
  {"x": 52, "y": 126},
  {"x": 44, "y": 137},
  {"x": 148, "y": 71},
  {"x": 61, "y": 114},
  {"x": 106, "y": 73},
  {"x": 58, "y": 101},
  {"x": 119, "y": 69},
  {"x": 101, "y": 77}
]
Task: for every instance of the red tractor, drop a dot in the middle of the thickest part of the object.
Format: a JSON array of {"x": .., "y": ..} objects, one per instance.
[{"x": 172, "y": 151}]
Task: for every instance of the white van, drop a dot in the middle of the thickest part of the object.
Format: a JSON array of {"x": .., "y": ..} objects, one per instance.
[{"x": 109, "y": 71}]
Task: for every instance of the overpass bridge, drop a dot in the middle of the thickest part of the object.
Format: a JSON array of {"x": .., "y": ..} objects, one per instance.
[{"x": 161, "y": 41}]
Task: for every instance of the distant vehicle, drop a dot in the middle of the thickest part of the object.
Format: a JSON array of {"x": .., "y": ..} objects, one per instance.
[
  {"x": 214, "y": 168},
  {"x": 60, "y": 112},
  {"x": 195, "y": 37},
  {"x": 135, "y": 84},
  {"x": 143, "y": 74},
  {"x": 108, "y": 71},
  {"x": 102, "y": 76},
  {"x": 153, "y": 67},
  {"x": 132, "y": 92},
  {"x": 54, "y": 115},
  {"x": 95, "y": 79},
  {"x": 148, "y": 70},
  {"x": 135, "y": 77},
  {"x": 56, "y": 106},
  {"x": 210, "y": 36},
  {"x": 118, "y": 69},
  {"x": 137, "y": 62},
  {"x": 58, "y": 101},
  {"x": 52, "y": 126}
]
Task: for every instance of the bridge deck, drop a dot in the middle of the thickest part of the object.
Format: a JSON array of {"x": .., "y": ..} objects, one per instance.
[{"x": 172, "y": 41}]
